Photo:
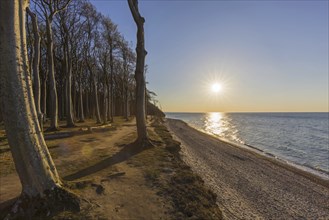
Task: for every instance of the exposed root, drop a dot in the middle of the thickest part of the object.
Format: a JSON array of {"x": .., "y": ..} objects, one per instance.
[
  {"x": 143, "y": 144},
  {"x": 51, "y": 203}
]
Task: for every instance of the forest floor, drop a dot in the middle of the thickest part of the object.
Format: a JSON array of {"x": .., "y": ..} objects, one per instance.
[{"x": 114, "y": 179}]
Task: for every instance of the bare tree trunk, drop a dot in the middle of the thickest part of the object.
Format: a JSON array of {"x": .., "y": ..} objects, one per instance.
[
  {"x": 105, "y": 105},
  {"x": 111, "y": 85},
  {"x": 68, "y": 67},
  {"x": 125, "y": 86},
  {"x": 69, "y": 104},
  {"x": 62, "y": 99},
  {"x": 109, "y": 115},
  {"x": 68, "y": 93},
  {"x": 125, "y": 103},
  {"x": 146, "y": 101},
  {"x": 91, "y": 94},
  {"x": 139, "y": 74},
  {"x": 87, "y": 94},
  {"x": 37, "y": 172},
  {"x": 51, "y": 77},
  {"x": 36, "y": 64},
  {"x": 126, "y": 98},
  {"x": 81, "y": 111},
  {"x": 1, "y": 119},
  {"x": 44, "y": 96},
  {"x": 74, "y": 98},
  {"x": 105, "y": 98},
  {"x": 98, "y": 117}
]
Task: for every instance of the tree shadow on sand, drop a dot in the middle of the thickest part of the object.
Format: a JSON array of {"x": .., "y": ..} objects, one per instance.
[{"x": 124, "y": 154}]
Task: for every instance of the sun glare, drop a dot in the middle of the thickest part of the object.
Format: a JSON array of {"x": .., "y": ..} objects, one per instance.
[{"x": 216, "y": 87}]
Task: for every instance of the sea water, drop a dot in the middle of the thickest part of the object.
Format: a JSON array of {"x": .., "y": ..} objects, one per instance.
[{"x": 300, "y": 138}]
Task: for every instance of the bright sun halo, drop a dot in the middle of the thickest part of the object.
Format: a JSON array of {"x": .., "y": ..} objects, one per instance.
[{"x": 216, "y": 87}]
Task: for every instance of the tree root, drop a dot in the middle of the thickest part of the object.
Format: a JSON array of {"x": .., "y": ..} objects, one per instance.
[
  {"x": 51, "y": 203},
  {"x": 143, "y": 144}
]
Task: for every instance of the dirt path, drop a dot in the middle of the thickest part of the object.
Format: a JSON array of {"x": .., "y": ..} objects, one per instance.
[
  {"x": 117, "y": 179},
  {"x": 97, "y": 163},
  {"x": 68, "y": 154},
  {"x": 250, "y": 186}
]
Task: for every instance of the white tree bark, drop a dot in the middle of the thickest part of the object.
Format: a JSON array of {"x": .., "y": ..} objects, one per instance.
[
  {"x": 51, "y": 77},
  {"x": 36, "y": 63},
  {"x": 68, "y": 85},
  {"x": 33, "y": 162},
  {"x": 32, "y": 159}
]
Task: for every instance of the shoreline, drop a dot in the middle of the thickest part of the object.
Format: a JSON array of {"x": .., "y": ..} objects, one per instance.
[
  {"x": 320, "y": 176},
  {"x": 249, "y": 184}
]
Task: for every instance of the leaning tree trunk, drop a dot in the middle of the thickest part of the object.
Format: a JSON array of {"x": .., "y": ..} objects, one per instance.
[
  {"x": 139, "y": 74},
  {"x": 36, "y": 64},
  {"x": 41, "y": 185},
  {"x": 51, "y": 77}
]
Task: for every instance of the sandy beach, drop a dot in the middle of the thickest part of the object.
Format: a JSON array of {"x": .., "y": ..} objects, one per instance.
[{"x": 249, "y": 185}]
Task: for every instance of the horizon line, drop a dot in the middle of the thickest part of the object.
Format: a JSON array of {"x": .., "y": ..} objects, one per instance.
[{"x": 247, "y": 112}]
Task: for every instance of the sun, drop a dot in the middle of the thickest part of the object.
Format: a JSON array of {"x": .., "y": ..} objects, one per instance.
[{"x": 216, "y": 87}]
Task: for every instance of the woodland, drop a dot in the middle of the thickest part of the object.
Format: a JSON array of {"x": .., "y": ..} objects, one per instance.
[
  {"x": 81, "y": 67},
  {"x": 75, "y": 138}
]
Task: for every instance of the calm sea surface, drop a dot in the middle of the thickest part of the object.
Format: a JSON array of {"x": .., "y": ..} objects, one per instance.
[{"x": 301, "y": 138}]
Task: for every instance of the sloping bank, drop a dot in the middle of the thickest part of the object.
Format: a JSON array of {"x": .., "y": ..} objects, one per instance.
[
  {"x": 175, "y": 181},
  {"x": 249, "y": 185}
]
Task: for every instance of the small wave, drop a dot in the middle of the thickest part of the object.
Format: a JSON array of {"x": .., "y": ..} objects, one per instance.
[{"x": 300, "y": 138}]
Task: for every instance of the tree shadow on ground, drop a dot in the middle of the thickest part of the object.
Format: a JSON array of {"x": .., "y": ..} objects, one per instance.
[
  {"x": 124, "y": 154},
  {"x": 5, "y": 207}
]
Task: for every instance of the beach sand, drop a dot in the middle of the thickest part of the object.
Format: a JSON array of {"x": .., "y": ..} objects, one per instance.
[{"x": 250, "y": 185}]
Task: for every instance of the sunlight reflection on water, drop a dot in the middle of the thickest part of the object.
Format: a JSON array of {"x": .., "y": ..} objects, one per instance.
[
  {"x": 301, "y": 138},
  {"x": 213, "y": 123},
  {"x": 220, "y": 125}
]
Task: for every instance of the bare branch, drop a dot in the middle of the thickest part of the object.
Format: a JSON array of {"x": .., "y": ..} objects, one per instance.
[{"x": 133, "y": 5}]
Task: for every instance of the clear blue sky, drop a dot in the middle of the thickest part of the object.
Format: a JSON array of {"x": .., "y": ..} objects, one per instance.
[{"x": 268, "y": 55}]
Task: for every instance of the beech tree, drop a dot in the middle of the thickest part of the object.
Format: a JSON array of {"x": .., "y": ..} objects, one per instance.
[
  {"x": 127, "y": 64},
  {"x": 111, "y": 38},
  {"x": 139, "y": 74},
  {"x": 50, "y": 9},
  {"x": 41, "y": 185},
  {"x": 66, "y": 35},
  {"x": 92, "y": 64},
  {"x": 36, "y": 64}
]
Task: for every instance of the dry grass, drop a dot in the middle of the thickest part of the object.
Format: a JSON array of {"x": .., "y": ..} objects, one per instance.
[
  {"x": 165, "y": 171},
  {"x": 163, "y": 185}
]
